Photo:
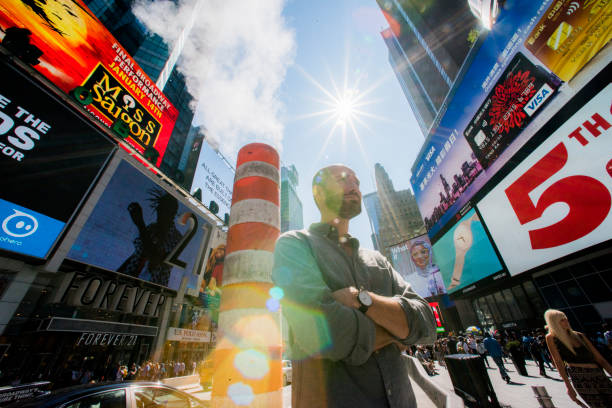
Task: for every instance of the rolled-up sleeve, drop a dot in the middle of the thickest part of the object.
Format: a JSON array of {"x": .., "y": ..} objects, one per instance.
[
  {"x": 420, "y": 318},
  {"x": 319, "y": 325}
]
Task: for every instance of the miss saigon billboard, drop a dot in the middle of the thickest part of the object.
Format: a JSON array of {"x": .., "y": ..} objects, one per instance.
[{"x": 68, "y": 45}]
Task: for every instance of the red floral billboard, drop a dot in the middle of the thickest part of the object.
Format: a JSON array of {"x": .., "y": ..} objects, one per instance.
[{"x": 67, "y": 44}]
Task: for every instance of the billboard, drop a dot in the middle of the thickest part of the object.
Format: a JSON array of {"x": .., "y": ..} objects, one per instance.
[
  {"x": 465, "y": 255},
  {"x": 67, "y": 44},
  {"x": 414, "y": 260},
  {"x": 50, "y": 158},
  {"x": 139, "y": 229},
  {"x": 215, "y": 179},
  {"x": 509, "y": 92},
  {"x": 558, "y": 199}
]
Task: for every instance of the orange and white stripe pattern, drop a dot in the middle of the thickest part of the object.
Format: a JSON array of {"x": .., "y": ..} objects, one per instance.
[{"x": 248, "y": 356}]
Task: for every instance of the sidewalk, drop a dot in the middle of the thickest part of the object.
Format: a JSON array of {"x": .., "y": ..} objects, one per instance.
[{"x": 517, "y": 394}]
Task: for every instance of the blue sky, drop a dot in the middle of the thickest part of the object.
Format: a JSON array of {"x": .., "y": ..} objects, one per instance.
[
  {"x": 262, "y": 69},
  {"x": 336, "y": 40}
]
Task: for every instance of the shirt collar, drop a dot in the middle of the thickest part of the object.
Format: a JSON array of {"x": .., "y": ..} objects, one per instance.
[{"x": 331, "y": 233}]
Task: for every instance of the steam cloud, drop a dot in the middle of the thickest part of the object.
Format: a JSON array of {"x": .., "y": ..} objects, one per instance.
[{"x": 234, "y": 59}]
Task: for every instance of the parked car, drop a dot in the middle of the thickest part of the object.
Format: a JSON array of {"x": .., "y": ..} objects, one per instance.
[
  {"x": 287, "y": 372},
  {"x": 129, "y": 394}
]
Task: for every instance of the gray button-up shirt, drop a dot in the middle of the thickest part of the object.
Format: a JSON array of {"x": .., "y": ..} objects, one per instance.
[{"x": 332, "y": 345}]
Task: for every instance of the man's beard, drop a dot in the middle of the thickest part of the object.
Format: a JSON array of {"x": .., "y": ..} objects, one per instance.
[{"x": 349, "y": 209}]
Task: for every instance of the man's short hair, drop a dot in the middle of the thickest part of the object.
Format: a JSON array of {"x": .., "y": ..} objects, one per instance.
[{"x": 321, "y": 179}]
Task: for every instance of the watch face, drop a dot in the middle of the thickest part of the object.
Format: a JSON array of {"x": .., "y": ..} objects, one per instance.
[{"x": 364, "y": 298}]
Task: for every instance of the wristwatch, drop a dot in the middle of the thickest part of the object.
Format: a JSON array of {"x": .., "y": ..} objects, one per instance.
[{"x": 364, "y": 299}]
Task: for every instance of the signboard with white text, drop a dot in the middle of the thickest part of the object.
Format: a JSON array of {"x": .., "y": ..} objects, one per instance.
[
  {"x": 558, "y": 199},
  {"x": 187, "y": 335},
  {"x": 214, "y": 178}
]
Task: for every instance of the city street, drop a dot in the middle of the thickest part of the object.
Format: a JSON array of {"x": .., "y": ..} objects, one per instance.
[{"x": 517, "y": 394}]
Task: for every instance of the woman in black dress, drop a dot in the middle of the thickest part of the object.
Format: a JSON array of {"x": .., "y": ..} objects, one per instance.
[{"x": 577, "y": 359}]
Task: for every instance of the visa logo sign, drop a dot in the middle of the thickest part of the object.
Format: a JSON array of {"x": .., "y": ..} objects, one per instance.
[{"x": 538, "y": 99}]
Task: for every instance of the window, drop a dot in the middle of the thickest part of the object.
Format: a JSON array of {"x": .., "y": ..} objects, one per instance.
[
  {"x": 534, "y": 298},
  {"x": 515, "y": 310},
  {"x": 493, "y": 307},
  {"x": 110, "y": 399},
  {"x": 573, "y": 294},
  {"x": 503, "y": 307},
  {"x": 595, "y": 287},
  {"x": 153, "y": 397},
  {"x": 553, "y": 297},
  {"x": 521, "y": 299}
]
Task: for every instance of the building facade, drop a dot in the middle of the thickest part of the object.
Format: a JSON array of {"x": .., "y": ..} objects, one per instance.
[
  {"x": 79, "y": 293},
  {"x": 292, "y": 215},
  {"x": 429, "y": 42},
  {"x": 151, "y": 53},
  {"x": 394, "y": 215}
]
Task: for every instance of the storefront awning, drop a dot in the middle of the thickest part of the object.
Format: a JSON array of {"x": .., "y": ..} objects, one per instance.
[{"x": 64, "y": 324}]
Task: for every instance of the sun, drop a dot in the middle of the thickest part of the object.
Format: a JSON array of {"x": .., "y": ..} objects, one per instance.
[{"x": 346, "y": 107}]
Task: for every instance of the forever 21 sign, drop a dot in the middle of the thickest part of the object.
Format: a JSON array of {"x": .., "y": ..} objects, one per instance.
[
  {"x": 558, "y": 200},
  {"x": 95, "y": 291}
]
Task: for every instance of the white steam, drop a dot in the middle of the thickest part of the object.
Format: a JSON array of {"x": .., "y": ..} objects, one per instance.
[{"x": 234, "y": 59}]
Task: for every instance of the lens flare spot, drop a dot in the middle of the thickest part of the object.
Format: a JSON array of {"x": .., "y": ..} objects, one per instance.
[
  {"x": 241, "y": 393},
  {"x": 276, "y": 293},
  {"x": 252, "y": 364},
  {"x": 273, "y": 305}
]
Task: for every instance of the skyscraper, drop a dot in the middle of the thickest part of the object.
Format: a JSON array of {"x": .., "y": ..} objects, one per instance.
[
  {"x": 429, "y": 42},
  {"x": 151, "y": 53},
  {"x": 394, "y": 215},
  {"x": 372, "y": 206},
  {"x": 291, "y": 207}
]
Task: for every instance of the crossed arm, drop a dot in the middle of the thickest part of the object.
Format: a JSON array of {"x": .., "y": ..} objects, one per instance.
[
  {"x": 385, "y": 311},
  {"x": 329, "y": 324}
]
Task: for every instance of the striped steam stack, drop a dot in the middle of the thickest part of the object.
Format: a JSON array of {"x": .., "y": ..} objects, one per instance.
[{"x": 248, "y": 356}]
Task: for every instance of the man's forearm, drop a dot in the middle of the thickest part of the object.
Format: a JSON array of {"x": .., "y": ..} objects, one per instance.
[{"x": 388, "y": 313}]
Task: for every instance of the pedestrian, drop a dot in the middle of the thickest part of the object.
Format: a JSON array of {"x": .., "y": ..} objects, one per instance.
[
  {"x": 482, "y": 351},
  {"x": 349, "y": 312},
  {"x": 496, "y": 353},
  {"x": 515, "y": 349},
  {"x": 452, "y": 345},
  {"x": 536, "y": 353},
  {"x": 426, "y": 362},
  {"x": 578, "y": 360},
  {"x": 462, "y": 346},
  {"x": 472, "y": 344}
]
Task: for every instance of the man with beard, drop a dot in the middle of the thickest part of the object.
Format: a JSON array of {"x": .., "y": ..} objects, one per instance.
[{"x": 349, "y": 312}]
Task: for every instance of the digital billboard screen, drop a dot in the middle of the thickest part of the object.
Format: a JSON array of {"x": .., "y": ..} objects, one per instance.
[
  {"x": 139, "y": 229},
  {"x": 414, "y": 260},
  {"x": 50, "y": 158},
  {"x": 215, "y": 178},
  {"x": 67, "y": 44},
  {"x": 509, "y": 92},
  {"x": 465, "y": 254},
  {"x": 558, "y": 200}
]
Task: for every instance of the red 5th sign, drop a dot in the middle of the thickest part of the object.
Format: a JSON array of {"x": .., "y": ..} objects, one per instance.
[{"x": 558, "y": 200}]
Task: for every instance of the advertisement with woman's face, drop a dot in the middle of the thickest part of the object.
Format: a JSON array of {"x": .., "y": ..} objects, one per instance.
[{"x": 414, "y": 261}]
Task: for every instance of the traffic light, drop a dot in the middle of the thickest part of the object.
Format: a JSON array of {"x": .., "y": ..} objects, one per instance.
[
  {"x": 198, "y": 194},
  {"x": 226, "y": 219},
  {"x": 213, "y": 207},
  {"x": 151, "y": 154}
]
